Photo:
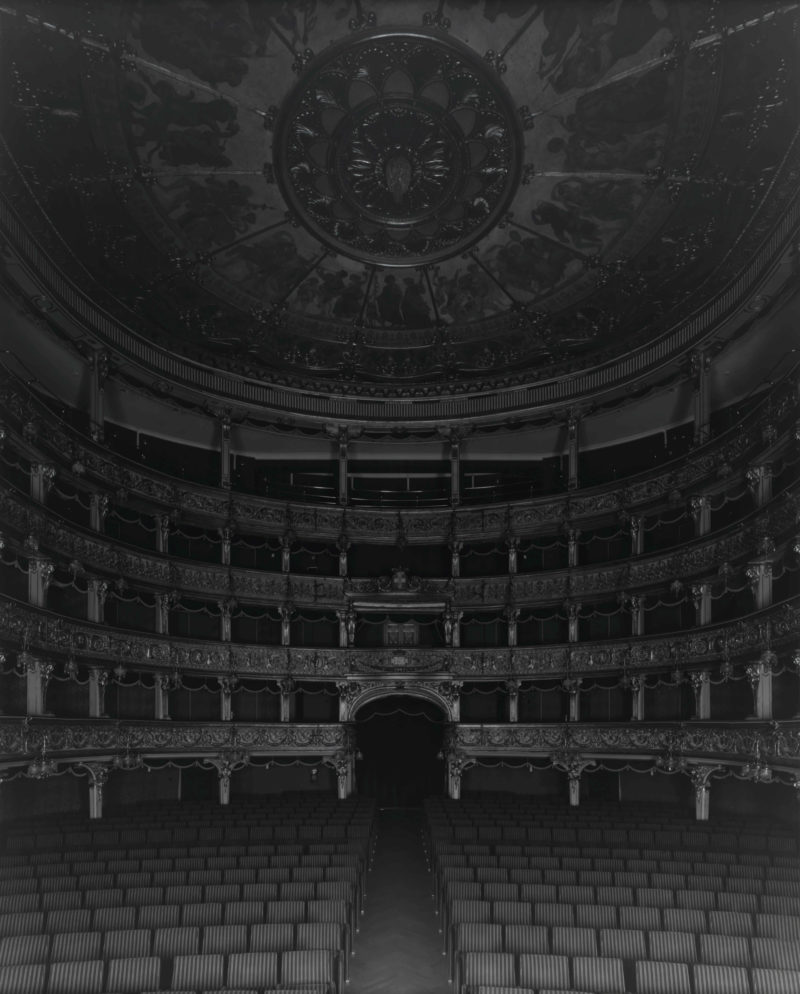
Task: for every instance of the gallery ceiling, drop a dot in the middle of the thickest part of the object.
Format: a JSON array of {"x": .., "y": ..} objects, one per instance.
[{"x": 400, "y": 197}]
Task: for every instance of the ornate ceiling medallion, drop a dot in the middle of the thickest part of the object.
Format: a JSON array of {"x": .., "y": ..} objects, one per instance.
[{"x": 398, "y": 148}]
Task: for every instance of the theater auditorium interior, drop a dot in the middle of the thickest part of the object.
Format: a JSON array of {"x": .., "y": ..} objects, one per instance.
[{"x": 400, "y": 521}]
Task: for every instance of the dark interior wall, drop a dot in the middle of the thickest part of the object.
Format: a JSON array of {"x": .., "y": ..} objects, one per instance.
[
  {"x": 661, "y": 788},
  {"x": 515, "y": 781},
  {"x": 43, "y": 798},
  {"x": 139, "y": 786},
  {"x": 278, "y": 779}
]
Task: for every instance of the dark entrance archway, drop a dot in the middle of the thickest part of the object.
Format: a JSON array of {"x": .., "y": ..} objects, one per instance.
[{"x": 399, "y": 739}]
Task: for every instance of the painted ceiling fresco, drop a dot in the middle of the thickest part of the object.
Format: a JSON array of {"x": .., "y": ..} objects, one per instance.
[{"x": 399, "y": 193}]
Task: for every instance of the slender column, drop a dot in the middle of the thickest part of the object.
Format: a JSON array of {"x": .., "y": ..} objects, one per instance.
[
  {"x": 42, "y": 476},
  {"x": 455, "y": 470},
  {"x": 573, "y": 609},
  {"x": 759, "y": 574},
  {"x": 98, "y": 680},
  {"x": 701, "y": 597},
  {"x": 701, "y": 685},
  {"x": 701, "y": 513},
  {"x": 759, "y": 480},
  {"x": 37, "y": 677},
  {"x": 343, "y": 486},
  {"x": 512, "y": 616},
  {"x": 700, "y": 365},
  {"x": 637, "y": 614},
  {"x": 455, "y": 559},
  {"x": 163, "y": 604},
  {"x": 348, "y": 691},
  {"x": 99, "y": 366},
  {"x": 700, "y": 777},
  {"x": 227, "y": 685},
  {"x": 98, "y": 509},
  {"x": 795, "y": 663},
  {"x": 347, "y": 628},
  {"x": 287, "y": 540},
  {"x": 287, "y": 610},
  {"x": 226, "y": 609},
  {"x": 637, "y": 685},
  {"x": 512, "y": 690},
  {"x": 573, "y": 432},
  {"x": 456, "y": 764},
  {"x": 450, "y": 690},
  {"x": 572, "y": 685},
  {"x": 288, "y": 698},
  {"x": 512, "y": 543},
  {"x": 343, "y": 545},
  {"x": 760, "y": 676},
  {"x": 40, "y": 573},
  {"x": 573, "y": 534},
  {"x": 636, "y": 524},
  {"x": 96, "y": 592},
  {"x": 164, "y": 682},
  {"x": 163, "y": 527},
  {"x": 451, "y": 622},
  {"x": 226, "y": 765},
  {"x": 226, "y": 535},
  {"x": 343, "y": 764},
  {"x": 574, "y": 790},
  {"x": 98, "y": 776},
  {"x": 225, "y": 449}
]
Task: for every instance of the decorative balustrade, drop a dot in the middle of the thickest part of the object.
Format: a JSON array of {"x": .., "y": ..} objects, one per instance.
[
  {"x": 709, "y": 468},
  {"x": 31, "y": 629},
  {"x": 21, "y": 737},
  {"x": 94, "y": 552},
  {"x": 779, "y": 744}
]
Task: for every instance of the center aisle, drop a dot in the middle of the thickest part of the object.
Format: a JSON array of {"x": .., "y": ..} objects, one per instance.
[{"x": 399, "y": 949}]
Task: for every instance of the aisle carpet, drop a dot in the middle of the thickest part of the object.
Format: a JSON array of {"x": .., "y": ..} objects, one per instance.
[{"x": 399, "y": 948}]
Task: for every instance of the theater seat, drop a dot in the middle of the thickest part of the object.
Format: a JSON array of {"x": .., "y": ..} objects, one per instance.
[
  {"x": 198, "y": 972},
  {"x": 538, "y": 970},
  {"x": 76, "y": 946},
  {"x": 601, "y": 976},
  {"x": 253, "y": 970},
  {"x": 775, "y": 954},
  {"x": 225, "y": 939},
  {"x": 18, "y": 949},
  {"x": 492, "y": 969},
  {"x": 662, "y": 978},
  {"x": 308, "y": 967},
  {"x": 271, "y": 937},
  {"x": 720, "y": 979},
  {"x": 775, "y": 981},
  {"x": 132, "y": 974},
  {"x": 623, "y": 943},
  {"x": 27, "y": 978},
  {"x": 132, "y": 943},
  {"x": 76, "y": 977}
]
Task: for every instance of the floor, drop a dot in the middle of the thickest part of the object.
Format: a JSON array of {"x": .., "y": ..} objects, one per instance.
[{"x": 399, "y": 948}]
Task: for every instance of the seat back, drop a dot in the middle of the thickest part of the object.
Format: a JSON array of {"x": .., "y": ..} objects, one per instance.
[{"x": 129, "y": 975}]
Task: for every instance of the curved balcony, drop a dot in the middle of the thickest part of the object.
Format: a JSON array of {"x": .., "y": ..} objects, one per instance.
[
  {"x": 708, "y": 469},
  {"x": 93, "y": 552},
  {"x": 37, "y": 631},
  {"x": 661, "y": 746}
]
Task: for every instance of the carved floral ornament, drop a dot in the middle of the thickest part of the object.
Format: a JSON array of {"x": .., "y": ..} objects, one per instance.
[{"x": 398, "y": 148}]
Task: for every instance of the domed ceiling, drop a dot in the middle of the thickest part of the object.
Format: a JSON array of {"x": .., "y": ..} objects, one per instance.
[{"x": 400, "y": 197}]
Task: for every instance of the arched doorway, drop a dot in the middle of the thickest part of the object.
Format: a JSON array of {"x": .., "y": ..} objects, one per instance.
[{"x": 399, "y": 739}]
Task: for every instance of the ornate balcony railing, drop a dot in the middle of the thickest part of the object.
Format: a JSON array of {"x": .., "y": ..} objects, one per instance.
[
  {"x": 95, "y": 553},
  {"x": 709, "y": 468},
  {"x": 665, "y": 746},
  {"x": 773, "y": 742},
  {"x": 24, "y": 628},
  {"x": 99, "y": 737}
]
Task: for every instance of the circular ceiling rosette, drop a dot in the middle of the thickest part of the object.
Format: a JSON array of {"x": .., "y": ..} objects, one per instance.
[{"x": 398, "y": 148}]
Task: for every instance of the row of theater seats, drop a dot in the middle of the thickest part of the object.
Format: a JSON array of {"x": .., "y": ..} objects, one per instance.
[
  {"x": 313, "y": 970},
  {"x": 185, "y": 898},
  {"x": 504, "y": 973},
  {"x": 592, "y": 904}
]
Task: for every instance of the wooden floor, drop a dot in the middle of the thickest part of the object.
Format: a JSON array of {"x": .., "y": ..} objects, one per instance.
[{"x": 399, "y": 949}]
